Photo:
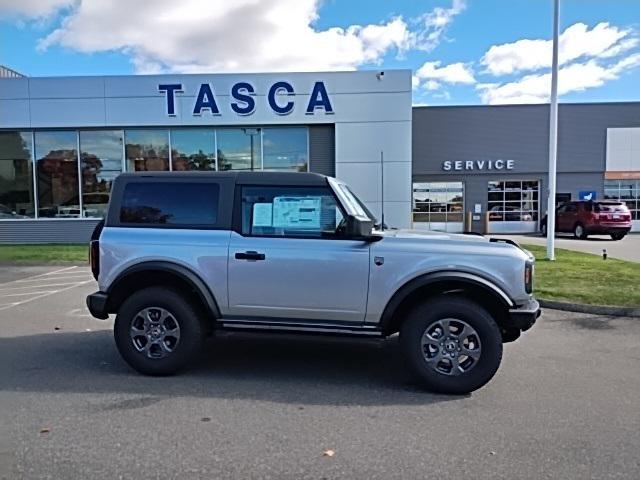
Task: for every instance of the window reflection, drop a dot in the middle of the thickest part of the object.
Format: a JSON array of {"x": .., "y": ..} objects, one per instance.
[
  {"x": 57, "y": 174},
  {"x": 515, "y": 202},
  {"x": 239, "y": 149},
  {"x": 285, "y": 149},
  {"x": 193, "y": 149},
  {"x": 100, "y": 163},
  {"x": 147, "y": 150},
  {"x": 627, "y": 191},
  {"x": 16, "y": 178},
  {"x": 194, "y": 204},
  {"x": 438, "y": 204}
]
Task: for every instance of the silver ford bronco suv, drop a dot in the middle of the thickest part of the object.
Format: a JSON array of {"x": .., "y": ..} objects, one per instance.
[{"x": 182, "y": 255}]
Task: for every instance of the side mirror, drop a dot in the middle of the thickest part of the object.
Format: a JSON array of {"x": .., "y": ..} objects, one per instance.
[{"x": 360, "y": 228}]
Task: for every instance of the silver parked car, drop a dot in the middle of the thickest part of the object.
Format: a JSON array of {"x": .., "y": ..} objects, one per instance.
[{"x": 182, "y": 255}]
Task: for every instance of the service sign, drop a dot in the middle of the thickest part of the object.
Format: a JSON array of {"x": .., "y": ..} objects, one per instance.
[
  {"x": 280, "y": 99},
  {"x": 478, "y": 165}
]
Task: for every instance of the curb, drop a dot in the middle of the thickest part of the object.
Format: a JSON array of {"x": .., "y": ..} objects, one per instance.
[{"x": 593, "y": 309}]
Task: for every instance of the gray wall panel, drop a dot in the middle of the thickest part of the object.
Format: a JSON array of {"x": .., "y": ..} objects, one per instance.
[
  {"x": 322, "y": 149},
  {"x": 519, "y": 132},
  {"x": 46, "y": 231}
]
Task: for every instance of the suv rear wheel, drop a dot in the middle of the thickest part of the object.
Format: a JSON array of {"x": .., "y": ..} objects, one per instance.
[
  {"x": 579, "y": 231},
  {"x": 452, "y": 345},
  {"x": 157, "y": 331},
  {"x": 617, "y": 236}
]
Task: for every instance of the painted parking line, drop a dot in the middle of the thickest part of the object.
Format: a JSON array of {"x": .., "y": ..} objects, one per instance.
[
  {"x": 22, "y": 294},
  {"x": 42, "y": 285},
  {"x": 37, "y": 297},
  {"x": 72, "y": 272},
  {"x": 42, "y": 281},
  {"x": 57, "y": 278},
  {"x": 47, "y": 285},
  {"x": 66, "y": 269}
]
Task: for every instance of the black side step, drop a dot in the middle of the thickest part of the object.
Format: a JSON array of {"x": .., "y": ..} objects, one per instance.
[{"x": 298, "y": 327}]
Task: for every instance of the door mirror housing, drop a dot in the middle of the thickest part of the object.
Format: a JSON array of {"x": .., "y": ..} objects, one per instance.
[{"x": 360, "y": 228}]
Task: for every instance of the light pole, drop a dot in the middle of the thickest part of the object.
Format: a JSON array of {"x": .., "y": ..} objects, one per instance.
[{"x": 553, "y": 138}]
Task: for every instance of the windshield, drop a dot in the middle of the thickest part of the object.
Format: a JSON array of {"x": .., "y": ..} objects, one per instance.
[{"x": 352, "y": 202}]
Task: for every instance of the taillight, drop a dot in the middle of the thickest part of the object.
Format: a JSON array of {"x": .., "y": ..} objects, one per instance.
[
  {"x": 94, "y": 258},
  {"x": 528, "y": 277}
]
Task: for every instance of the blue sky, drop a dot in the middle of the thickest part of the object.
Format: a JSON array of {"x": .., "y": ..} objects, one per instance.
[{"x": 79, "y": 37}]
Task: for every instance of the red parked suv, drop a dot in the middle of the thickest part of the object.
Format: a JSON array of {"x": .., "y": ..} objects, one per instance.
[{"x": 588, "y": 217}]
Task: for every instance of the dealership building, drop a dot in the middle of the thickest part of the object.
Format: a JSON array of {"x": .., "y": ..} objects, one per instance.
[{"x": 481, "y": 168}]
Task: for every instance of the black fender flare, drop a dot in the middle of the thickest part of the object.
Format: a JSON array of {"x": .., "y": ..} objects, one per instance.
[
  {"x": 416, "y": 283},
  {"x": 185, "y": 274}
]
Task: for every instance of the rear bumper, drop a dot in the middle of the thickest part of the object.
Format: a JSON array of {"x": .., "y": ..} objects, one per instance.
[
  {"x": 524, "y": 316},
  {"x": 608, "y": 228},
  {"x": 97, "y": 305}
]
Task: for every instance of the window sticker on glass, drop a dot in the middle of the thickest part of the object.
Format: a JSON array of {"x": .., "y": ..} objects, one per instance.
[
  {"x": 297, "y": 212},
  {"x": 262, "y": 215}
]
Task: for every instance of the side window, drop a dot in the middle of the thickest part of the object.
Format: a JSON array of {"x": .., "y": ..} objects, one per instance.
[
  {"x": 572, "y": 208},
  {"x": 290, "y": 212},
  {"x": 170, "y": 203}
]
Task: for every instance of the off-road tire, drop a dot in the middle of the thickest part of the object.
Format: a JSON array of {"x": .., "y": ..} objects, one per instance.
[
  {"x": 423, "y": 316},
  {"x": 191, "y": 337}
]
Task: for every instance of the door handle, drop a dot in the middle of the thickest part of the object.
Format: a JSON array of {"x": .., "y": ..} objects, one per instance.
[{"x": 250, "y": 255}]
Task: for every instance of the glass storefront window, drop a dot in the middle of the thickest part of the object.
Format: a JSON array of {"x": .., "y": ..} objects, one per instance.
[
  {"x": 16, "y": 175},
  {"x": 239, "y": 149},
  {"x": 77, "y": 184},
  {"x": 147, "y": 150},
  {"x": 512, "y": 201},
  {"x": 100, "y": 163},
  {"x": 57, "y": 174},
  {"x": 193, "y": 149},
  {"x": 627, "y": 191},
  {"x": 440, "y": 205},
  {"x": 285, "y": 149}
]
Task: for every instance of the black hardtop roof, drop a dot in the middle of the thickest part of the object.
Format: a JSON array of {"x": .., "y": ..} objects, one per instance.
[{"x": 246, "y": 178}]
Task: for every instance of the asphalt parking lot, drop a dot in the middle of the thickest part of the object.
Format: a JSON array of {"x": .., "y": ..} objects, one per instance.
[{"x": 563, "y": 405}]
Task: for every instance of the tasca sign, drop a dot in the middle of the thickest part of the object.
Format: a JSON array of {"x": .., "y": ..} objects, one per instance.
[
  {"x": 478, "y": 165},
  {"x": 243, "y": 99}
]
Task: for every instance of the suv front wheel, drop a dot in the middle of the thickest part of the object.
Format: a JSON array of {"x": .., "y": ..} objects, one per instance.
[
  {"x": 157, "y": 331},
  {"x": 452, "y": 345}
]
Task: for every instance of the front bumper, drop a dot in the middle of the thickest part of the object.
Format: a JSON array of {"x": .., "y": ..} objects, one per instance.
[
  {"x": 97, "y": 305},
  {"x": 524, "y": 316}
]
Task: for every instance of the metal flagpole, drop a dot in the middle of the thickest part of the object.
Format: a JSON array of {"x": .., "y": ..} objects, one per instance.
[
  {"x": 553, "y": 138},
  {"x": 382, "y": 189}
]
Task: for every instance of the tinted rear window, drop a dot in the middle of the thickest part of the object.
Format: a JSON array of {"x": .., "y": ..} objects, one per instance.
[
  {"x": 170, "y": 203},
  {"x": 609, "y": 207}
]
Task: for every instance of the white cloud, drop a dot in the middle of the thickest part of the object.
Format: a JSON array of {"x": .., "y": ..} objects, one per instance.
[
  {"x": 577, "y": 41},
  {"x": 536, "y": 88},
  {"x": 434, "y": 25},
  {"x": 243, "y": 35},
  {"x": 456, "y": 73},
  {"x": 31, "y": 8},
  {"x": 431, "y": 85}
]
